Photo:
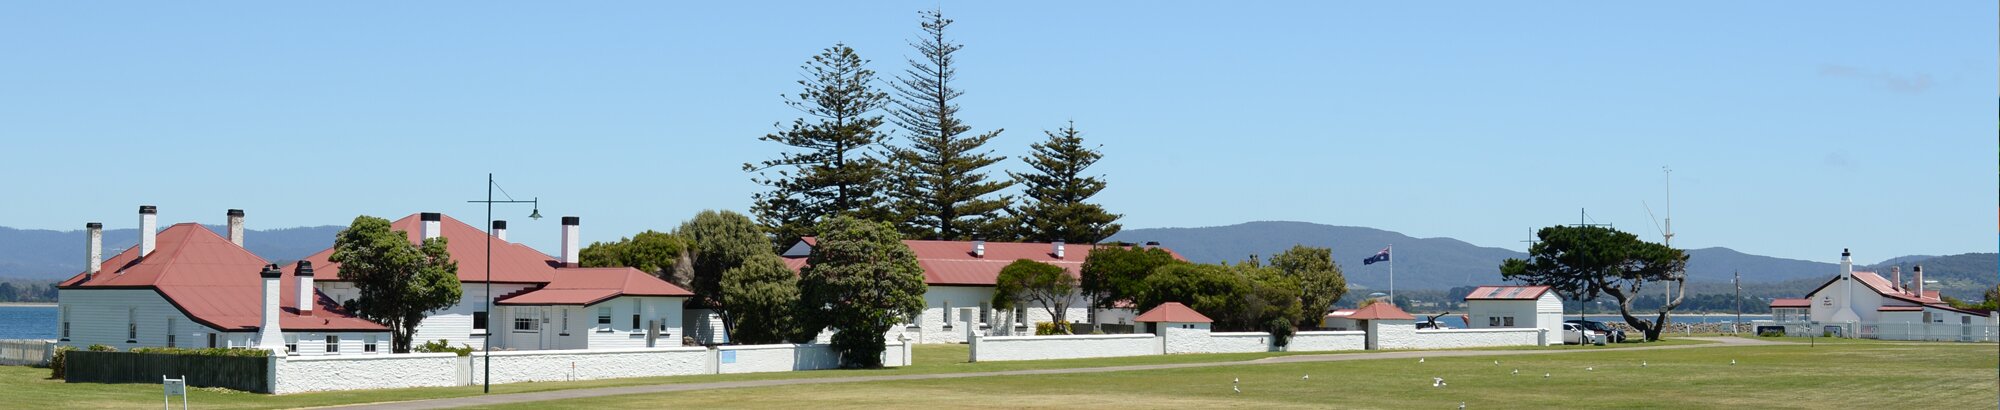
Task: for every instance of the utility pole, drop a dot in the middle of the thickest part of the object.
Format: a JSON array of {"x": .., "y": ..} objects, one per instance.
[{"x": 1739, "y": 302}]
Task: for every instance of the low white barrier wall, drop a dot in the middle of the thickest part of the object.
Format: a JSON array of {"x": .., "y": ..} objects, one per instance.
[
  {"x": 1328, "y": 341},
  {"x": 789, "y": 357},
  {"x": 299, "y": 374},
  {"x": 1003, "y": 348},
  {"x": 564, "y": 365},
  {"x": 1202, "y": 341},
  {"x": 26, "y": 352},
  {"x": 1459, "y": 338}
]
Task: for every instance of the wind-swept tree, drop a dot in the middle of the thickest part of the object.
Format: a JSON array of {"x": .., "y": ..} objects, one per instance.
[
  {"x": 938, "y": 190},
  {"x": 1588, "y": 261},
  {"x": 1027, "y": 282},
  {"x": 860, "y": 280},
  {"x": 400, "y": 282},
  {"x": 1055, "y": 209},
  {"x": 835, "y": 170}
]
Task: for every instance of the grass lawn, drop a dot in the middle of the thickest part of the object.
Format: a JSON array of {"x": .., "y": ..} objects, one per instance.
[{"x": 1850, "y": 375}]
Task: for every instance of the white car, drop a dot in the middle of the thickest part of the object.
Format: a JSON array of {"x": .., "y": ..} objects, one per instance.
[{"x": 1576, "y": 334}]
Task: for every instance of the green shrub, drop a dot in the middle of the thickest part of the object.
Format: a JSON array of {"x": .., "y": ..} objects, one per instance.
[
  {"x": 1051, "y": 328},
  {"x": 443, "y": 346},
  {"x": 100, "y": 348},
  {"x": 56, "y": 362},
  {"x": 1772, "y": 333}
]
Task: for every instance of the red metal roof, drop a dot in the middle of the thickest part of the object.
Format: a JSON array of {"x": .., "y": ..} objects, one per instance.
[
  {"x": 1174, "y": 312},
  {"x": 1507, "y": 293},
  {"x": 214, "y": 282},
  {"x": 1900, "y": 309},
  {"x": 588, "y": 286},
  {"x": 1880, "y": 286},
  {"x": 1381, "y": 311},
  {"x": 953, "y": 263},
  {"x": 1791, "y": 303},
  {"x": 512, "y": 262}
]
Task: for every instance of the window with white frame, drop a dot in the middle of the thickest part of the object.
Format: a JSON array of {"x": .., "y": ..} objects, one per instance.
[
  {"x": 211, "y": 340},
  {"x": 1507, "y": 321},
  {"x": 565, "y": 321},
  {"x": 635, "y": 317},
  {"x": 132, "y": 325},
  {"x": 65, "y": 323},
  {"x": 1493, "y": 321},
  {"x": 170, "y": 333},
  {"x": 368, "y": 344},
  {"x": 333, "y": 343},
  {"x": 479, "y": 321},
  {"x": 291, "y": 343},
  {"x": 604, "y": 315},
  {"x": 947, "y": 314},
  {"x": 984, "y": 308},
  {"x": 525, "y": 324}
]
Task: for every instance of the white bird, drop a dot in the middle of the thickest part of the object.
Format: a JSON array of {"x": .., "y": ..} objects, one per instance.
[
  {"x": 1589, "y": 369},
  {"x": 1236, "y": 380},
  {"x": 1420, "y": 360},
  {"x": 1461, "y": 405},
  {"x": 1437, "y": 382},
  {"x": 1517, "y": 372},
  {"x": 1642, "y": 364},
  {"x": 1732, "y": 362},
  {"x": 1236, "y": 389},
  {"x": 1545, "y": 375},
  {"x": 1496, "y": 362},
  {"x": 1306, "y": 377}
]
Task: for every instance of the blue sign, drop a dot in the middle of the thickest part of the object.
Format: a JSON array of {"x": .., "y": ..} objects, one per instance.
[{"x": 728, "y": 356}]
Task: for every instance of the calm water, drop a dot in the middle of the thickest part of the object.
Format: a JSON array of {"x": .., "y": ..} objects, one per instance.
[
  {"x": 28, "y": 322},
  {"x": 1455, "y": 322}
]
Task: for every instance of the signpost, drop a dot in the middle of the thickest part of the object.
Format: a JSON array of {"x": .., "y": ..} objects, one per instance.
[{"x": 174, "y": 387}]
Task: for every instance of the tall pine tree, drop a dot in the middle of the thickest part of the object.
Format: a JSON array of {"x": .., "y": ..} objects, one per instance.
[
  {"x": 836, "y": 171},
  {"x": 1055, "y": 209},
  {"x": 938, "y": 189}
]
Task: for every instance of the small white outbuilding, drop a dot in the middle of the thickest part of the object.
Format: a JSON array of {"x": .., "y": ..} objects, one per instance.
[{"x": 1514, "y": 307}]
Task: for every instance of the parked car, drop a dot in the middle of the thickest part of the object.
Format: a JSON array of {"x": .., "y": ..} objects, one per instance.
[
  {"x": 1577, "y": 334},
  {"x": 1613, "y": 335}
]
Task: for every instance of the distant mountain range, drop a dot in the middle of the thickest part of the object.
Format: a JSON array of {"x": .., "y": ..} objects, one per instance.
[
  {"x": 1442, "y": 263},
  {"x": 1421, "y": 263},
  {"x": 47, "y": 254}
]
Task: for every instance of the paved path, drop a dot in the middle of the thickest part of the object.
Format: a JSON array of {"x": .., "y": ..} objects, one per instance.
[{"x": 495, "y": 399}]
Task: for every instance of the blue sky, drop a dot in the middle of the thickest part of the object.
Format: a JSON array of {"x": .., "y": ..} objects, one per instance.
[{"x": 1794, "y": 129}]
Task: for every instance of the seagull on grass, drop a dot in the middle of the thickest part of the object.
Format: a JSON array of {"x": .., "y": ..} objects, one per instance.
[
  {"x": 1306, "y": 377},
  {"x": 1437, "y": 382},
  {"x": 1496, "y": 362},
  {"x": 1236, "y": 389},
  {"x": 1545, "y": 375},
  {"x": 1589, "y": 369},
  {"x": 1642, "y": 364},
  {"x": 1732, "y": 362},
  {"x": 1420, "y": 360},
  {"x": 1517, "y": 372},
  {"x": 1461, "y": 405}
]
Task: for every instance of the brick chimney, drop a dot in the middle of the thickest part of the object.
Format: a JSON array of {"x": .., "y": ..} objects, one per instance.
[
  {"x": 93, "y": 249},
  {"x": 149, "y": 225},
  {"x": 269, "y": 335},
  {"x": 304, "y": 272},
  {"x": 569, "y": 240},
  {"x": 433, "y": 224},
  {"x": 236, "y": 227},
  {"x": 500, "y": 230}
]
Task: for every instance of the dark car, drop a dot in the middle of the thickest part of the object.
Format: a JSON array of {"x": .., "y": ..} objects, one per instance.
[{"x": 1615, "y": 335}]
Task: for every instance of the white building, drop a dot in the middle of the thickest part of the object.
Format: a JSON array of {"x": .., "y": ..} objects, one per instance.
[
  {"x": 541, "y": 302},
  {"x": 186, "y": 286},
  {"x": 1533, "y": 307},
  {"x": 1863, "y": 304},
  {"x": 961, "y": 274}
]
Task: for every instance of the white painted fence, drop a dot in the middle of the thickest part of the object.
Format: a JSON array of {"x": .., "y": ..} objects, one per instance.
[
  {"x": 1004, "y": 348},
  {"x": 1328, "y": 341},
  {"x": 1943, "y": 332},
  {"x": 26, "y": 352},
  {"x": 1460, "y": 338},
  {"x": 389, "y": 371}
]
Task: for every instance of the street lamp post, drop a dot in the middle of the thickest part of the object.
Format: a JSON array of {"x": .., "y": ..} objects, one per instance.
[{"x": 487, "y": 346}]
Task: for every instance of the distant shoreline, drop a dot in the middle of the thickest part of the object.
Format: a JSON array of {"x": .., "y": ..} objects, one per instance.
[{"x": 28, "y": 304}]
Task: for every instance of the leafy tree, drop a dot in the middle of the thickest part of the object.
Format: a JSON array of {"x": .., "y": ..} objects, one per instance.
[
  {"x": 661, "y": 254},
  {"x": 8, "y": 293},
  {"x": 762, "y": 296},
  {"x": 937, "y": 187},
  {"x": 859, "y": 281},
  {"x": 1055, "y": 209},
  {"x": 835, "y": 172},
  {"x": 1114, "y": 273},
  {"x": 1318, "y": 278},
  {"x": 1029, "y": 281},
  {"x": 1589, "y": 261},
  {"x": 1214, "y": 290},
  {"x": 400, "y": 282},
  {"x": 719, "y": 241}
]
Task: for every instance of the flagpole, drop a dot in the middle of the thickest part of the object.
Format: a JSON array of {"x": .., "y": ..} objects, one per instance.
[{"x": 1392, "y": 274}]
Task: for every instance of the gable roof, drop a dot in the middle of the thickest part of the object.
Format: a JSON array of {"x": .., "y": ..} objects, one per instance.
[
  {"x": 589, "y": 286},
  {"x": 1380, "y": 311},
  {"x": 1507, "y": 293},
  {"x": 952, "y": 263},
  {"x": 512, "y": 262},
  {"x": 1173, "y": 312},
  {"x": 1790, "y": 303},
  {"x": 214, "y": 282},
  {"x": 1875, "y": 283}
]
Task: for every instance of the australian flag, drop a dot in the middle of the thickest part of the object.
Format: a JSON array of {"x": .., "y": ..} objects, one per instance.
[{"x": 1382, "y": 256}]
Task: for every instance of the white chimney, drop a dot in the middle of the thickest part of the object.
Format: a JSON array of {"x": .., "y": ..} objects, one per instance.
[
  {"x": 978, "y": 248},
  {"x": 500, "y": 230},
  {"x": 269, "y": 335},
  {"x": 433, "y": 225},
  {"x": 1844, "y": 312},
  {"x": 1058, "y": 250},
  {"x": 1896, "y": 274},
  {"x": 304, "y": 271},
  {"x": 236, "y": 227},
  {"x": 569, "y": 240},
  {"x": 93, "y": 249},
  {"x": 149, "y": 222},
  {"x": 1918, "y": 272}
]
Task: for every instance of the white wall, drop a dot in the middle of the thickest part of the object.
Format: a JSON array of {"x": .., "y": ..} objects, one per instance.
[
  {"x": 351, "y": 343},
  {"x": 1397, "y": 338},
  {"x": 563, "y": 365},
  {"x": 931, "y": 324},
  {"x": 1005, "y": 348},
  {"x": 1392, "y": 334},
  {"x": 1200, "y": 340},
  {"x": 1327, "y": 341},
  {"x": 621, "y": 335},
  {"x": 789, "y": 357},
  {"x": 100, "y": 316},
  {"x": 1480, "y": 313},
  {"x": 388, "y": 371},
  {"x": 454, "y": 324}
]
